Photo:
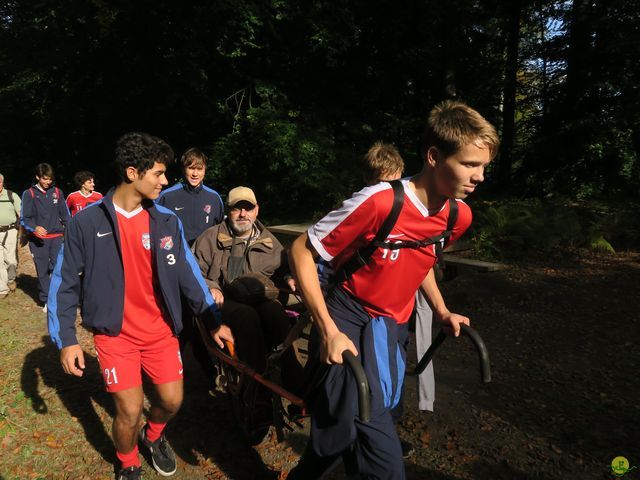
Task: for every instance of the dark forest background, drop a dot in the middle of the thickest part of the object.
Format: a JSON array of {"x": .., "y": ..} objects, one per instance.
[{"x": 286, "y": 96}]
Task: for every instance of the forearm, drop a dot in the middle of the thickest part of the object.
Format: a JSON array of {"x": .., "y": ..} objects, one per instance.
[{"x": 303, "y": 268}]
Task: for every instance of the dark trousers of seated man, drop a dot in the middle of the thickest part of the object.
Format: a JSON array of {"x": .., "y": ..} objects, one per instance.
[
  {"x": 191, "y": 335},
  {"x": 257, "y": 331}
]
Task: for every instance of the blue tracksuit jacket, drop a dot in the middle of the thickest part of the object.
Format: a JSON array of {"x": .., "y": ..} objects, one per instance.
[
  {"x": 92, "y": 247},
  {"x": 45, "y": 209},
  {"x": 198, "y": 208}
]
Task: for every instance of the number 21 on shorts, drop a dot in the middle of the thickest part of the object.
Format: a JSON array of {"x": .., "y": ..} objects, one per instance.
[{"x": 110, "y": 376}]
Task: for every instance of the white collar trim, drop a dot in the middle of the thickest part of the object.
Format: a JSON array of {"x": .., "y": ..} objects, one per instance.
[{"x": 126, "y": 214}]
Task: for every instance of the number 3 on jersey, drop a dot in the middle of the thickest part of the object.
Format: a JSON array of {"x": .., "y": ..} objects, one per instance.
[{"x": 171, "y": 259}]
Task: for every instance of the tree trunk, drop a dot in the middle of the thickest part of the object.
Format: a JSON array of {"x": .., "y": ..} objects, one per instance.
[{"x": 509, "y": 101}]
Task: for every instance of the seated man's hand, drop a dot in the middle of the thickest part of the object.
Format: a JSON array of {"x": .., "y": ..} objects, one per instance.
[
  {"x": 68, "y": 357},
  {"x": 292, "y": 284},
  {"x": 218, "y": 297},
  {"x": 333, "y": 346},
  {"x": 451, "y": 322},
  {"x": 223, "y": 332}
]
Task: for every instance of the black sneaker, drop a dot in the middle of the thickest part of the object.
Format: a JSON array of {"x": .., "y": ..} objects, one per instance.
[
  {"x": 130, "y": 473},
  {"x": 162, "y": 455}
]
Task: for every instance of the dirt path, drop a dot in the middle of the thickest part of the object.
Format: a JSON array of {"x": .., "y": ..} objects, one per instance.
[{"x": 563, "y": 403}]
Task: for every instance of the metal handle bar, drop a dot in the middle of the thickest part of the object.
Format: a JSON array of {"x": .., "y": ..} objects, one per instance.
[
  {"x": 476, "y": 339},
  {"x": 362, "y": 384}
]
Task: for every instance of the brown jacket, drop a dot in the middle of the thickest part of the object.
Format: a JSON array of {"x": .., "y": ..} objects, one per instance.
[{"x": 212, "y": 250}]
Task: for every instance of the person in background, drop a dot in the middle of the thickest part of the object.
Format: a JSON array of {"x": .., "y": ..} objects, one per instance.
[
  {"x": 9, "y": 225},
  {"x": 86, "y": 193},
  {"x": 198, "y": 207},
  {"x": 44, "y": 217}
]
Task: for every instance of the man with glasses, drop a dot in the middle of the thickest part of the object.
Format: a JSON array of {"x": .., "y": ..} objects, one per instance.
[{"x": 239, "y": 247}]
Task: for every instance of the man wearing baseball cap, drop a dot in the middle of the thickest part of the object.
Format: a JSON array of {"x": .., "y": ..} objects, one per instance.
[{"x": 241, "y": 246}]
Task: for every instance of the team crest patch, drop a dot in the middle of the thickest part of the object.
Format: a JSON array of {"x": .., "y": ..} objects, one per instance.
[
  {"x": 207, "y": 209},
  {"x": 166, "y": 243},
  {"x": 146, "y": 241}
]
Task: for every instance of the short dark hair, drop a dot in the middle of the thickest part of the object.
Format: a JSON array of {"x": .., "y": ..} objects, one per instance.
[
  {"x": 44, "y": 170},
  {"x": 82, "y": 176},
  {"x": 193, "y": 156},
  {"x": 141, "y": 151}
]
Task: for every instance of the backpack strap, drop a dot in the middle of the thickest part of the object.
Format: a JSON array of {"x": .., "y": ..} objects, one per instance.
[
  {"x": 362, "y": 256},
  {"x": 440, "y": 241},
  {"x": 13, "y": 202},
  {"x": 451, "y": 223},
  {"x": 33, "y": 194}
]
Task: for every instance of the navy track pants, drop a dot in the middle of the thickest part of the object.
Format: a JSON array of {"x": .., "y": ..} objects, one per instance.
[{"x": 372, "y": 449}]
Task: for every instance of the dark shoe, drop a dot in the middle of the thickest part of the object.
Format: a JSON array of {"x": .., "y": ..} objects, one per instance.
[
  {"x": 407, "y": 449},
  {"x": 130, "y": 473},
  {"x": 162, "y": 455}
]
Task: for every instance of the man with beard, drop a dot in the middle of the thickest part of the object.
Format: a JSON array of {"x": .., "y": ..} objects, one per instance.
[{"x": 239, "y": 247}]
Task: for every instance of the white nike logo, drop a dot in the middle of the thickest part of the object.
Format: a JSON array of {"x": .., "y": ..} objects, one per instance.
[
  {"x": 179, "y": 208},
  {"x": 103, "y": 234},
  {"x": 396, "y": 235},
  {"x": 180, "y": 372}
]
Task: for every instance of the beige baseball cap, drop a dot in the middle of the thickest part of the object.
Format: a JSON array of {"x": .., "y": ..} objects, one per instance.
[{"x": 240, "y": 194}]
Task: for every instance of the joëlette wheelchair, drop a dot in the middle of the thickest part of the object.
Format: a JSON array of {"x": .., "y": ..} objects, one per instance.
[{"x": 241, "y": 381}]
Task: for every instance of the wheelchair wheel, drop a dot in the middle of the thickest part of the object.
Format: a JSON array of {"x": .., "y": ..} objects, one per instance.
[{"x": 253, "y": 412}]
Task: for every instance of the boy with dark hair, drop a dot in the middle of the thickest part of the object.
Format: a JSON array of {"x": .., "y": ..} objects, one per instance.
[
  {"x": 198, "y": 207},
  {"x": 44, "y": 217},
  {"x": 86, "y": 193},
  {"x": 134, "y": 263},
  {"x": 368, "y": 312}
]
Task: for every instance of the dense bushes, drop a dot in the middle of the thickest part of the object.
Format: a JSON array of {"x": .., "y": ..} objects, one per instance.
[{"x": 515, "y": 229}]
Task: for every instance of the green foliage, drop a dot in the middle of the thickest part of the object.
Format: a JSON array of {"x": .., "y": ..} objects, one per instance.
[
  {"x": 284, "y": 154},
  {"x": 519, "y": 229}
]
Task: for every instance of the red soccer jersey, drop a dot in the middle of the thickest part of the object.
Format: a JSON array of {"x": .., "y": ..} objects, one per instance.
[
  {"x": 76, "y": 201},
  {"x": 387, "y": 286},
  {"x": 143, "y": 321}
]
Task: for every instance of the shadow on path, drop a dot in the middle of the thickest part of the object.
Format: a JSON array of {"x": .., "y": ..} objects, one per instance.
[
  {"x": 75, "y": 393},
  {"x": 204, "y": 432}
]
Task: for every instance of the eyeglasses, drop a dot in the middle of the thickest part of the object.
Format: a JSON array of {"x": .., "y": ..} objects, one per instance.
[{"x": 247, "y": 208}]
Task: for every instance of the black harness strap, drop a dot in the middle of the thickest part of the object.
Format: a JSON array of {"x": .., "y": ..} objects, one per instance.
[
  {"x": 362, "y": 256},
  {"x": 440, "y": 241},
  {"x": 446, "y": 235}
]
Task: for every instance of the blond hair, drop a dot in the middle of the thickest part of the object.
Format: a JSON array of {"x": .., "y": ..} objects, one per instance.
[
  {"x": 452, "y": 125},
  {"x": 381, "y": 161}
]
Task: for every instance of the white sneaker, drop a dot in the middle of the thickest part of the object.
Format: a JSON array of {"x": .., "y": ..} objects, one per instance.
[{"x": 44, "y": 309}]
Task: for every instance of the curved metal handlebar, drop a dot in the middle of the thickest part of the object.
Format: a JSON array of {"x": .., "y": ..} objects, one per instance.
[
  {"x": 362, "y": 384},
  {"x": 476, "y": 339}
]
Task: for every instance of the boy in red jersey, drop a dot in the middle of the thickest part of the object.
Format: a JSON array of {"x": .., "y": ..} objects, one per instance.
[
  {"x": 135, "y": 263},
  {"x": 86, "y": 194},
  {"x": 367, "y": 313}
]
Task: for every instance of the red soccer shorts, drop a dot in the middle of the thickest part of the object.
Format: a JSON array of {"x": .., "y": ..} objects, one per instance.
[{"x": 122, "y": 361}]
